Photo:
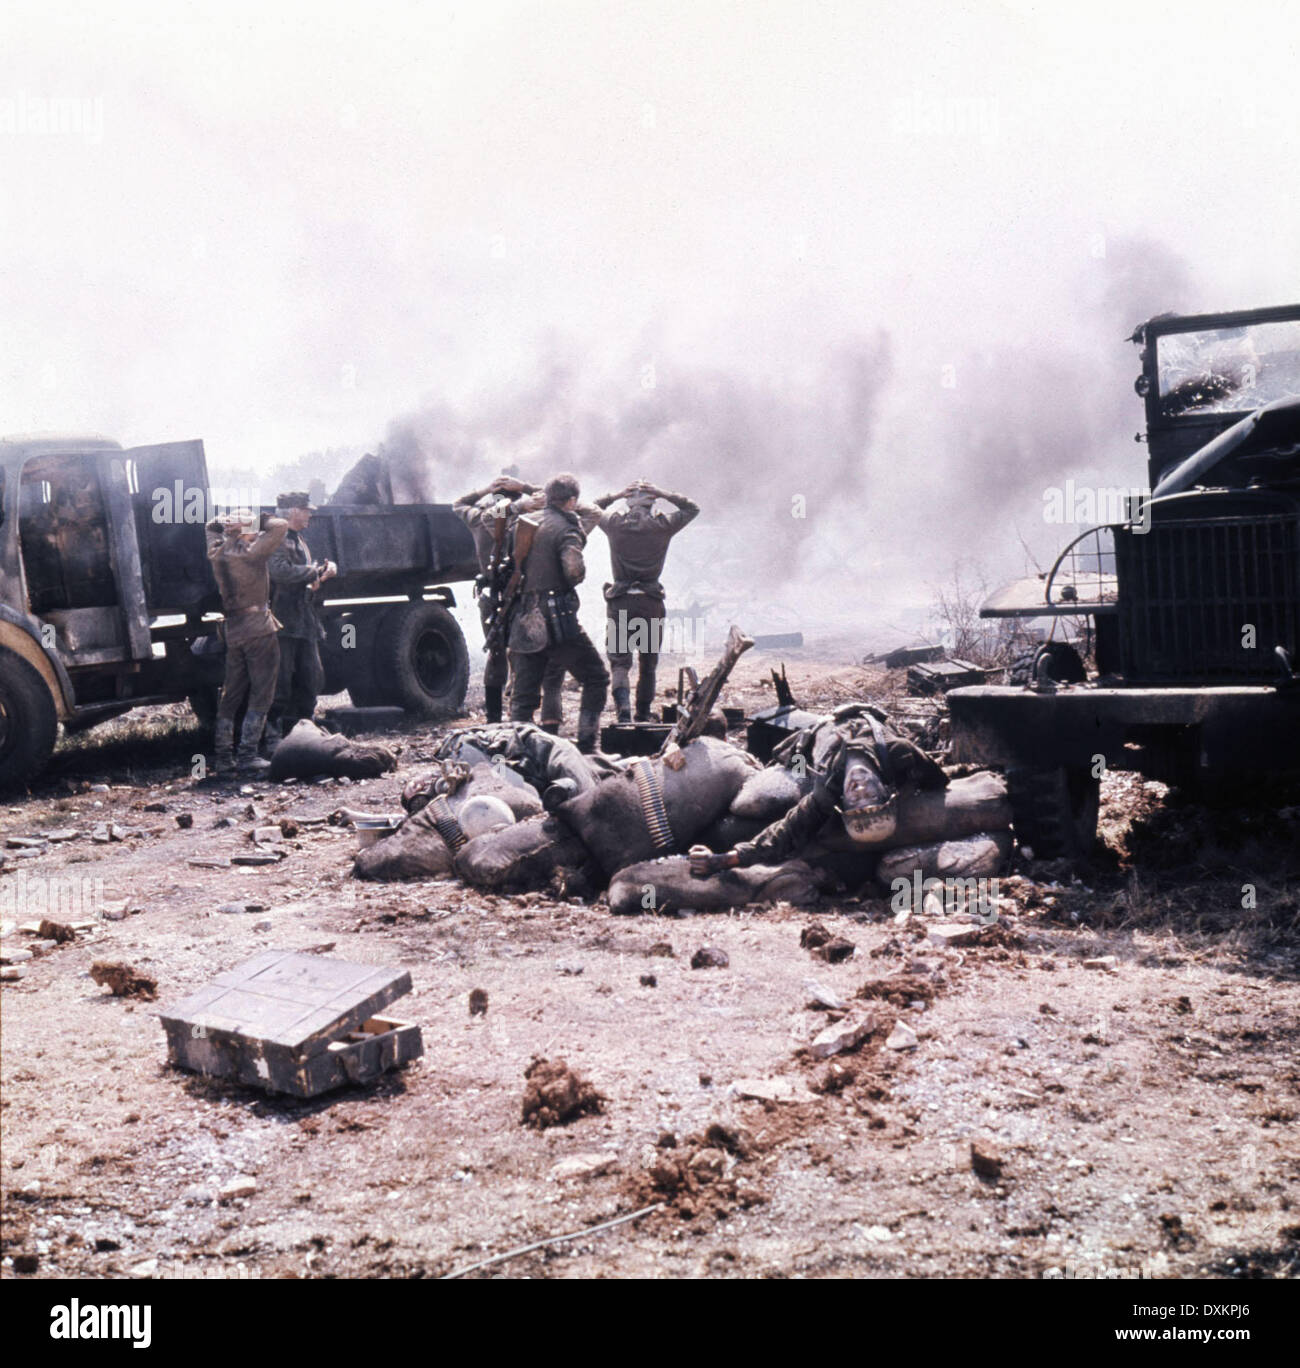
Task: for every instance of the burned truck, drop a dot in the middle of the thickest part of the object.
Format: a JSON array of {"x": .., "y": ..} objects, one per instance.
[
  {"x": 105, "y": 605},
  {"x": 1191, "y": 597}
]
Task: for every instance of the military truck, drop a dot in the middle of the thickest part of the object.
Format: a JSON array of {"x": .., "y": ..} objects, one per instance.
[
  {"x": 1191, "y": 592},
  {"x": 107, "y": 599}
]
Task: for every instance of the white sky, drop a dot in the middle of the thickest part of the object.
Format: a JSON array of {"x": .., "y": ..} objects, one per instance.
[{"x": 280, "y": 226}]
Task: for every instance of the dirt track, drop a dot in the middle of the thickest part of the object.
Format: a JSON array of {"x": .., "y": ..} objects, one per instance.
[{"x": 1144, "y": 1116}]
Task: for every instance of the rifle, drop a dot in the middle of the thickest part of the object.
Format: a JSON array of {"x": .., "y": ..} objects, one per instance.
[
  {"x": 693, "y": 715},
  {"x": 525, "y": 532}
]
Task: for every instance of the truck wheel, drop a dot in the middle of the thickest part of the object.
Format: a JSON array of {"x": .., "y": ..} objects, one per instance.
[
  {"x": 1055, "y": 810},
  {"x": 420, "y": 656},
  {"x": 29, "y": 721}
]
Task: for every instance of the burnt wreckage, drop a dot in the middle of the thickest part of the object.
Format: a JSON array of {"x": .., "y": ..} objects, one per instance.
[
  {"x": 107, "y": 599},
  {"x": 1193, "y": 596}
]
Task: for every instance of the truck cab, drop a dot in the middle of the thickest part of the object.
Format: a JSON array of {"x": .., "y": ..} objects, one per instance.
[{"x": 1191, "y": 597}]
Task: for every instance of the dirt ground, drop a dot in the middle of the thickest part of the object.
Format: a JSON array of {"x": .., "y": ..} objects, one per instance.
[{"x": 1052, "y": 1119}]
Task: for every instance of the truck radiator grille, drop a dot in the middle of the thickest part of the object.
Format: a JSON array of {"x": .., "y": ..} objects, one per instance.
[{"x": 1188, "y": 589}]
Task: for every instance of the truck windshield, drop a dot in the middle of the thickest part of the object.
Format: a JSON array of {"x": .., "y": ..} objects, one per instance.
[{"x": 1228, "y": 370}]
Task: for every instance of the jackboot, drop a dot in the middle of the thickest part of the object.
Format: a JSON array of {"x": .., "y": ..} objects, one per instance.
[
  {"x": 224, "y": 739},
  {"x": 623, "y": 703},
  {"x": 492, "y": 704},
  {"x": 552, "y": 727},
  {"x": 645, "y": 697},
  {"x": 247, "y": 760},
  {"x": 271, "y": 737},
  {"x": 589, "y": 730}
]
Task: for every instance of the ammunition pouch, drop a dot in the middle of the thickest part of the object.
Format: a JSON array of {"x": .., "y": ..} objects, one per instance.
[{"x": 560, "y": 609}]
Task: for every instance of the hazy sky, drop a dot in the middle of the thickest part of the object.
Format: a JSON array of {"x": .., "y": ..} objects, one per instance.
[{"x": 279, "y": 227}]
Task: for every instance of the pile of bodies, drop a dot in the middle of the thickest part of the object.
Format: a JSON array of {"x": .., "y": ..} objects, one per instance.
[{"x": 844, "y": 802}]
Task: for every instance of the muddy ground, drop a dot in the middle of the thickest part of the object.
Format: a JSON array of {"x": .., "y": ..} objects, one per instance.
[{"x": 1132, "y": 1118}]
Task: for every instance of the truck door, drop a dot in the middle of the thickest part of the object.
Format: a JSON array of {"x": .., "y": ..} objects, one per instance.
[
  {"x": 81, "y": 567},
  {"x": 171, "y": 503}
]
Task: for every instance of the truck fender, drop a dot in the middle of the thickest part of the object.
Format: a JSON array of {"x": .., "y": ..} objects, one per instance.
[{"x": 18, "y": 635}]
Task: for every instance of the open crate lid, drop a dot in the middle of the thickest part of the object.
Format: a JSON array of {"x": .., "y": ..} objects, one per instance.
[{"x": 294, "y": 1001}]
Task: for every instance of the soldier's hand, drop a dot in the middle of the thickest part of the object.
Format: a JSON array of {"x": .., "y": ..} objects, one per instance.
[{"x": 704, "y": 862}]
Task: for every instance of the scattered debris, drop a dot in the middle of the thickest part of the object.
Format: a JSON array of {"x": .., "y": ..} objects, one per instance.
[
  {"x": 952, "y": 934},
  {"x": 649, "y": 981},
  {"x": 56, "y": 931},
  {"x": 835, "y": 951},
  {"x": 709, "y": 957},
  {"x": 1103, "y": 962},
  {"x": 582, "y": 1166},
  {"x": 240, "y": 1186},
  {"x": 662, "y": 950},
  {"x": 823, "y": 999},
  {"x": 985, "y": 1158},
  {"x": 478, "y": 1002},
  {"x": 835, "y": 1079},
  {"x": 124, "y": 981},
  {"x": 902, "y": 1037},
  {"x": 185, "y": 820},
  {"x": 814, "y": 936},
  {"x": 10, "y": 974},
  {"x": 556, "y": 1095},
  {"x": 15, "y": 956},
  {"x": 771, "y": 1090},
  {"x": 843, "y": 1036}
]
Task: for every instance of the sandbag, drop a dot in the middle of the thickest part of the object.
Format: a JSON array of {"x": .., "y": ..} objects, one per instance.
[
  {"x": 666, "y": 885},
  {"x": 521, "y": 857},
  {"x": 611, "y": 823},
  {"x": 414, "y": 851},
  {"x": 308, "y": 752},
  {"x": 980, "y": 855},
  {"x": 770, "y": 794}
]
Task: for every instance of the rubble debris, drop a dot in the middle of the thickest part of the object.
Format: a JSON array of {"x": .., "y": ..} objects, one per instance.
[
  {"x": 25, "y": 842},
  {"x": 293, "y": 1022},
  {"x": 209, "y": 862},
  {"x": 555, "y": 1095},
  {"x": 835, "y": 951},
  {"x": 902, "y": 1037},
  {"x": 1102, "y": 962},
  {"x": 15, "y": 956},
  {"x": 26, "y": 1263},
  {"x": 662, "y": 950},
  {"x": 814, "y": 936},
  {"x": 269, "y": 857},
  {"x": 265, "y": 835},
  {"x": 242, "y": 907},
  {"x": 710, "y": 957},
  {"x": 952, "y": 934},
  {"x": 985, "y": 1158},
  {"x": 11, "y": 974},
  {"x": 771, "y": 1090},
  {"x": 288, "y": 828},
  {"x": 124, "y": 981},
  {"x": 835, "y": 1079},
  {"x": 823, "y": 999},
  {"x": 904, "y": 656},
  {"x": 649, "y": 981},
  {"x": 582, "y": 1166},
  {"x": 62, "y": 834},
  {"x": 56, "y": 931},
  {"x": 239, "y": 1186},
  {"x": 185, "y": 820},
  {"x": 114, "y": 910},
  {"x": 478, "y": 1002},
  {"x": 842, "y": 1036}
]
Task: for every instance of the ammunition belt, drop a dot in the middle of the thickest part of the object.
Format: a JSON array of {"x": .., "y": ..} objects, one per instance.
[
  {"x": 650, "y": 789},
  {"x": 445, "y": 821}
]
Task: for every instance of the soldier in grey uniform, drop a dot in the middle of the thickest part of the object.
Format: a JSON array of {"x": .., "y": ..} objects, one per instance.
[
  {"x": 545, "y": 630},
  {"x": 638, "y": 546},
  {"x": 295, "y": 578}
]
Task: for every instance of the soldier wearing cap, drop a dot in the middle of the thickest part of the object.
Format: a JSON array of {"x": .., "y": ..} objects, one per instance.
[
  {"x": 295, "y": 578},
  {"x": 239, "y": 556}
]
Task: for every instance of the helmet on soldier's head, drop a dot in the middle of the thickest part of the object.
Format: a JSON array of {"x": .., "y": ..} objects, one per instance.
[{"x": 870, "y": 806}]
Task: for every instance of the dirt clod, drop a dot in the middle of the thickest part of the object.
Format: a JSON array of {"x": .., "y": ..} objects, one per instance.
[
  {"x": 985, "y": 1159},
  {"x": 124, "y": 981},
  {"x": 56, "y": 931},
  {"x": 813, "y": 937},
  {"x": 835, "y": 950},
  {"x": 649, "y": 981},
  {"x": 710, "y": 957},
  {"x": 478, "y": 1002},
  {"x": 556, "y": 1095}
]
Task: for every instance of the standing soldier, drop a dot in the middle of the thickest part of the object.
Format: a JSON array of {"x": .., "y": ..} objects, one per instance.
[
  {"x": 239, "y": 557},
  {"x": 545, "y": 629},
  {"x": 638, "y": 547},
  {"x": 296, "y": 577},
  {"x": 488, "y": 515}
]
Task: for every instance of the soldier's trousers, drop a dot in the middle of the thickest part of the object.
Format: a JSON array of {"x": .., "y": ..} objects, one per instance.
[
  {"x": 496, "y": 673},
  {"x": 635, "y": 625},
  {"x": 577, "y": 657},
  {"x": 251, "y": 671},
  {"x": 300, "y": 680}
]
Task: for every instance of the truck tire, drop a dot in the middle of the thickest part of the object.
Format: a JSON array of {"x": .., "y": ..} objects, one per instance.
[
  {"x": 421, "y": 660},
  {"x": 29, "y": 722},
  {"x": 1055, "y": 810}
]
